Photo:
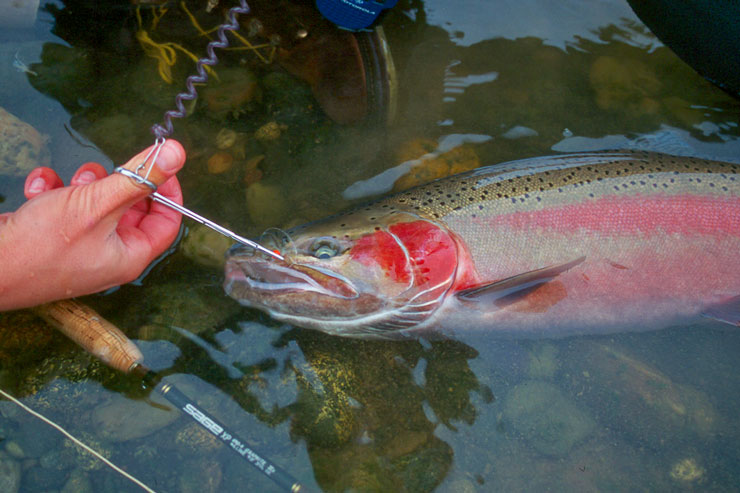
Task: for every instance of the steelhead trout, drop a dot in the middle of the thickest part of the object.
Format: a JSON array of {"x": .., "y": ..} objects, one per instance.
[{"x": 554, "y": 246}]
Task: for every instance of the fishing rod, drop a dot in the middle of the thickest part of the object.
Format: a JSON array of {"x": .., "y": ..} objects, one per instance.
[{"x": 105, "y": 341}]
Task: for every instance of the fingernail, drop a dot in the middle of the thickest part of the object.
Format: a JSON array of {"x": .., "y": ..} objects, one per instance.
[
  {"x": 168, "y": 161},
  {"x": 86, "y": 177},
  {"x": 37, "y": 185}
]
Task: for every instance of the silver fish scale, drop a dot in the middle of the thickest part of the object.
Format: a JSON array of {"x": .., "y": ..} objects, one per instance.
[
  {"x": 469, "y": 205},
  {"x": 527, "y": 181}
]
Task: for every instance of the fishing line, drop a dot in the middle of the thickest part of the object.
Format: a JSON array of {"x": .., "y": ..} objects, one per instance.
[
  {"x": 105, "y": 341},
  {"x": 98, "y": 455},
  {"x": 128, "y": 359},
  {"x": 231, "y": 24},
  {"x": 109, "y": 344},
  {"x": 162, "y": 131},
  {"x": 235, "y": 443}
]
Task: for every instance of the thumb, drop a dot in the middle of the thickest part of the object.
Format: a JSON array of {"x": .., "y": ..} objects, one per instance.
[
  {"x": 121, "y": 191},
  {"x": 169, "y": 160}
]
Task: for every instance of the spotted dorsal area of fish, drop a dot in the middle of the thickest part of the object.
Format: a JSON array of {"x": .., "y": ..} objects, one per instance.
[{"x": 543, "y": 247}]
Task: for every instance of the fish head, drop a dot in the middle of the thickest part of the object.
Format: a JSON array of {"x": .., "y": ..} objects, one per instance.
[{"x": 364, "y": 274}]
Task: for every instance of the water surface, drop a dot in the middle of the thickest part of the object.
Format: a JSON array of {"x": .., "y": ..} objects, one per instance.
[{"x": 634, "y": 411}]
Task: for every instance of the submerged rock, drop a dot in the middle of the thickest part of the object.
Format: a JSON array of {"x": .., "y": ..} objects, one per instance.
[
  {"x": 22, "y": 348},
  {"x": 543, "y": 361},
  {"x": 78, "y": 482},
  {"x": 266, "y": 205},
  {"x": 328, "y": 417},
  {"x": 32, "y": 441},
  {"x": 220, "y": 162},
  {"x": 269, "y": 131},
  {"x": 193, "y": 306},
  {"x": 684, "y": 111},
  {"x": 44, "y": 478},
  {"x": 541, "y": 414},
  {"x": 117, "y": 134},
  {"x": 225, "y": 138},
  {"x": 195, "y": 438},
  {"x": 61, "y": 381},
  {"x": 205, "y": 246},
  {"x": 625, "y": 85},
  {"x": 201, "y": 477},
  {"x": 55, "y": 460},
  {"x": 252, "y": 174},
  {"x": 687, "y": 471},
  {"x": 121, "y": 419},
  {"x": 231, "y": 93},
  {"x": 65, "y": 74},
  {"x": 414, "y": 149},
  {"x": 14, "y": 449},
  {"x": 147, "y": 85},
  {"x": 430, "y": 166},
  {"x": 22, "y": 148},
  {"x": 637, "y": 397},
  {"x": 10, "y": 475},
  {"x": 84, "y": 460},
  {"x": 518, "y": 132}
]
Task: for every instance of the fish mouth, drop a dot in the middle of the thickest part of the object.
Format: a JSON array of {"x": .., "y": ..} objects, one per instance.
[{"x": 272, "y": 277}]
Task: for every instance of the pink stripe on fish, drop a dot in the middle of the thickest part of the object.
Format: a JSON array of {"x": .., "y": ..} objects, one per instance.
[{"x": 634, "y": 214}]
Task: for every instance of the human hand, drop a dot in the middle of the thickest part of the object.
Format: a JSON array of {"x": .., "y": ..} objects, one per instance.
[{"x": 98, "y": 232}]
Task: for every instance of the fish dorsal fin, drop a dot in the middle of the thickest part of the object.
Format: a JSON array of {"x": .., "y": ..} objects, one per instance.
[
  {"x": 511, "y": 289},
  {"x": 727, "y": 311}
]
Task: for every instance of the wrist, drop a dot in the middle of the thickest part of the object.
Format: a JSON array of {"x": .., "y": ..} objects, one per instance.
[{"x": 22, "y": 285}]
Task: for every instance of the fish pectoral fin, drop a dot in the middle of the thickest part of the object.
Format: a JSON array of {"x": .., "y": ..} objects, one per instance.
[
  {"x": 727, "y": 311},
  {"x": 515, "y": 288}
]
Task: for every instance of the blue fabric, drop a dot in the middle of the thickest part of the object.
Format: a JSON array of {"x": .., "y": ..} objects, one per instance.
[{"x": 353, "y": 14}]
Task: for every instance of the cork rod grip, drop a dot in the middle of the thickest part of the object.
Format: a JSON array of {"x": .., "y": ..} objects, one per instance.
[{"x": 96, "y": 335}]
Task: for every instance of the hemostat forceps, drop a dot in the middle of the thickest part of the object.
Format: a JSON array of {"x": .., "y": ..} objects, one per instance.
[{"x": 157, "y": 197}]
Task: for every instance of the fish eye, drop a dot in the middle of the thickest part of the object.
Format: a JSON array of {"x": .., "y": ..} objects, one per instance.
[
  {"x": 324, "y": 252},
  {"x": 325, "y": 248}
]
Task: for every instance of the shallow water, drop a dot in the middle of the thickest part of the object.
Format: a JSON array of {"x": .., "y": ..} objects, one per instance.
[{"x": 634, "y": 411}]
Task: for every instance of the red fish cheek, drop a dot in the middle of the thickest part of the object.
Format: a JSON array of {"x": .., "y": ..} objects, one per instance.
[
  {"x": 432, "y": 250},
  {"x": 381, "y": 252}
]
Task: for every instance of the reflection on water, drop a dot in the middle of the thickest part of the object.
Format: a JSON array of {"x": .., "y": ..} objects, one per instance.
[
  {"x": 509, "y": 79},
  {"x": 559, "y": 24}
]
